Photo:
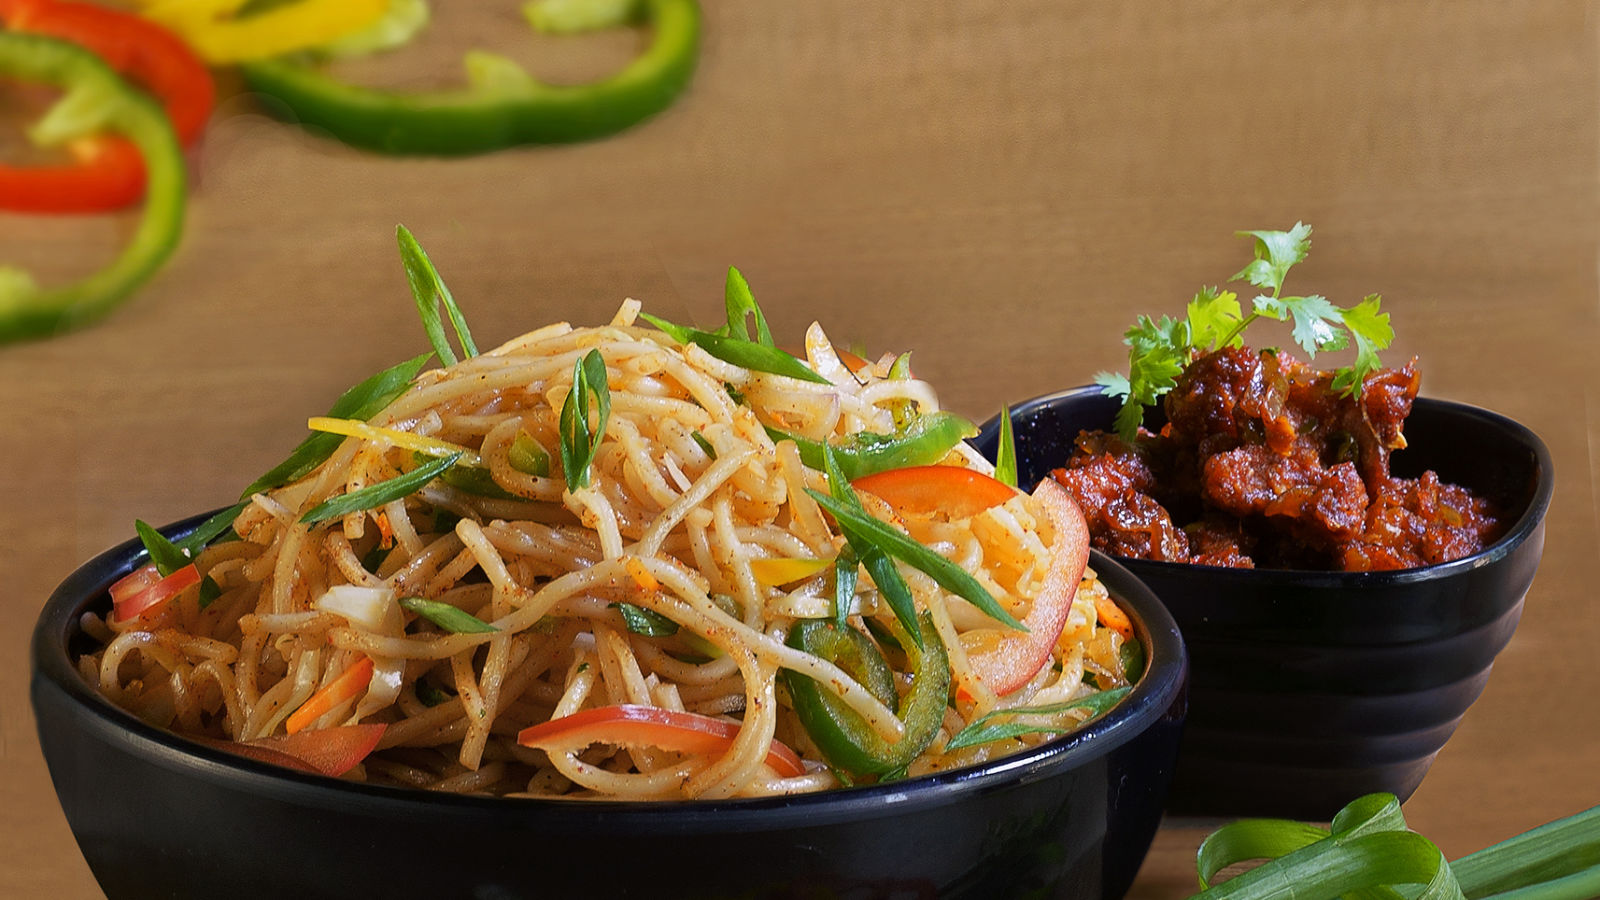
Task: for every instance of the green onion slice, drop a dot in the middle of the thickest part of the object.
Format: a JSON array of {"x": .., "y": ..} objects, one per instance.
[
  {"x": 985, "y": 729},
  {"x": 450, "y": 618},
  {"x": 579, "y": 440},
  {"x": 430, "y": 292},
  {"x": 376, "y": 495}
]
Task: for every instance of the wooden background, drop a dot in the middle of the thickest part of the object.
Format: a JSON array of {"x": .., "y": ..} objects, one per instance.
[{"x": 1000, "y": 185}]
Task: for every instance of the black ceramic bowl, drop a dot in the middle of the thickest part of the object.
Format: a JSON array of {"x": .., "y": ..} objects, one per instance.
[
  {"x": 158, "y": 816},
  {"x": 1310, "y": 689}
]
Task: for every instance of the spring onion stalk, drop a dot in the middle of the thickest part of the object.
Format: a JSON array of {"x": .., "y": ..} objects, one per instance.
[{"x": 1369, "y": 852}]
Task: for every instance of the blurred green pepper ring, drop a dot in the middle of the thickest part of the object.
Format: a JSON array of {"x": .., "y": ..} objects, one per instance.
[
  {"x": 28, "y": 311},
  {"x": 490, "y": 117}
]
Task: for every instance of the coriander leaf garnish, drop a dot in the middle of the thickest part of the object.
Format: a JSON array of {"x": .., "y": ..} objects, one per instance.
[
  {"x": 1276, "y": 252},
  {"x": 1159, "y": 349},
  {"x": 376, "y": 495},
  {"x": 1213, "y": 315},
  {"x": 579, "y": 439},
  {"x": 430, "y": 292},
  {"x": 984, "y": 729},
  {"x": 450, "y": 618},
  {"x": 1370, "y": 330}
]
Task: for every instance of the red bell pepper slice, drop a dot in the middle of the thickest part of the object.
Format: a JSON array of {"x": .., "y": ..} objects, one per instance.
[
  {"x": 143, "y": 593},
  {"x": 1004, "y": 658},
  {"x": 958, "y": 491},
  {"x": 110, "y": 173},
  {"x": 632, "y": 725},
  {"x": 329, "y": 751}
]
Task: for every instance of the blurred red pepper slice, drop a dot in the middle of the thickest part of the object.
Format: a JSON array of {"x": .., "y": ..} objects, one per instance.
[{"x": 110, "y": 173}]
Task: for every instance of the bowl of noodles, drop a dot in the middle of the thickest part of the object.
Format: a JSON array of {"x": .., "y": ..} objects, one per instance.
[{"x": 627, "y": 610}]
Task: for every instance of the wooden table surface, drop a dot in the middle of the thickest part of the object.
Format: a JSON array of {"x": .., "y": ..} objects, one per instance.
[{"x": 999, "y": 185}]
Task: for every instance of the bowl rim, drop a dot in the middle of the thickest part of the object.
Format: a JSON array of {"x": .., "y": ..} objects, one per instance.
[
  {"x": 1526, "y": 525},
  {"x": 52, "y": 666}
]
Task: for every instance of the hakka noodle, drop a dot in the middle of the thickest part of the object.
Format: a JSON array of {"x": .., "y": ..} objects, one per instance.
[{"x": 504, "y": 628}]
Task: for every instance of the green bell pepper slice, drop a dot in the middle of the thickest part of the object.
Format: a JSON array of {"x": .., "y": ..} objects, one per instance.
[
  {"x": 504, "y": 107},
  {"x": 923, "y": 441},
  {"x": 95, "y": 99},
  {"x": 842, "y": 735}
]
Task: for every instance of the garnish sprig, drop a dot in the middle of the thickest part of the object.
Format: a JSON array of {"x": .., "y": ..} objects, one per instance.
[
  {"x": 985, "y": 728},
  {"x": 1159, "y": 349},
  {"x": 735, "y": 342},
  {"x": 580, "y": 435}
]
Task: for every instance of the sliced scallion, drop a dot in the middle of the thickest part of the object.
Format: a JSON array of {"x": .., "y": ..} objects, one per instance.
[{"x": 376, "y": 495}]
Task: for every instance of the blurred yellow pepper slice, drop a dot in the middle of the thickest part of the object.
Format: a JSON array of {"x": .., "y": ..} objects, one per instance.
[{"x": 225, "y": 31}]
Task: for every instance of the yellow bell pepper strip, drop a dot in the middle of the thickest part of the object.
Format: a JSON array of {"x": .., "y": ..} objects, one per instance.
[
  {"x": 221, "y": 35},
  {"x": 95, "y": 101},
  {"x": 503, "y": 108}
]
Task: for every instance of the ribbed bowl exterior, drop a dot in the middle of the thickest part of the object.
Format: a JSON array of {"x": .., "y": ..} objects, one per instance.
[
  {"x": 1312, "y": 688},
  {"x": 158, "y": 816}
]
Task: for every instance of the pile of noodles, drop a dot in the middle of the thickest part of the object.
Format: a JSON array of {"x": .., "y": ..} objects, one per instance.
[{"x": 665, "y": 526}]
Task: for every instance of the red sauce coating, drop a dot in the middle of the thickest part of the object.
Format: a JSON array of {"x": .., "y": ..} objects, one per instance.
[{"x": 1264, "y": 464}]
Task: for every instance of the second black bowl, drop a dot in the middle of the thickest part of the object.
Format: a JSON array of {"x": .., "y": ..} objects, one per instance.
[{"x": 1312, "y": 688}]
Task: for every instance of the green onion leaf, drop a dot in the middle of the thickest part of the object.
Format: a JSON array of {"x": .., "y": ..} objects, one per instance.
[
  {"x": 845, "y": 572},
  {"x": 209, "y": 591},
  {"x": 430, "y": 291},
  {"x": 1559, "y": 859},
  {"x": 1131, "y": 657},
  {"x": 704, "y": 444},
  {"x": 1005, "y": 461},
  {"x": 742, "y": 352},
  {"x": 645, "y": 622},
  {"x": 474, "y": 480},
  {"x": 210, "y": 530},
  {"x": 450, "y": 618},
  {"x": 375, "y": 495},
  {"x": 871, "y": 553},
  {"x": 923, "y": 441},
  {"x": 740, "y": 302},
  {"x": 528, "y": 456},
  {"x": 861, "y": 528},
  {"x": 362, "y": 402},
  {"x": 984, "y": 729},
  {"x": 166, "y": 555},
  {"x": 431, "y": 694},
  {"x": 1367, "y": 849},
  {"x": 579, "y": 440}
]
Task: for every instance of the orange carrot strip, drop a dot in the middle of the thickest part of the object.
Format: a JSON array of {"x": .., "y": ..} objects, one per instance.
[
  {"x": 1112, "y": 616},
  {"x": 350, "y": 683}
]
